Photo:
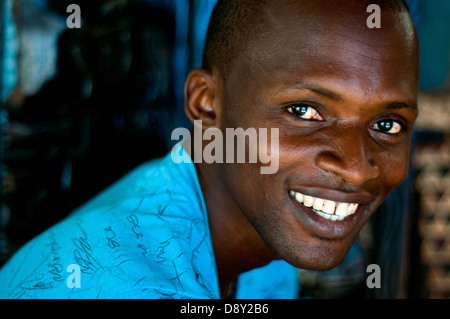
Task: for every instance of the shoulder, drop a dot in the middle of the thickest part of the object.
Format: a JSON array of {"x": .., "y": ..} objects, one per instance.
[
  {"x": 160, "y": 179},
  {"x": 143, "y": 237}
]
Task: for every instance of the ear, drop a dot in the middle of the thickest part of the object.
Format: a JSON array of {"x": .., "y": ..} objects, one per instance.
[{"x": 200, "y": 97}]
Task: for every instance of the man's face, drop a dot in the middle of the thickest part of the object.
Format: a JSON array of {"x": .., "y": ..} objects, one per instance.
[{"x": 344, "y": 99}]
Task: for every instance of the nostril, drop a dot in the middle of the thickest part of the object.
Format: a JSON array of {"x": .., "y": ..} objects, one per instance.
[
  {"x": 328, "y": 162},
  {"x": 352, "y": 169}
]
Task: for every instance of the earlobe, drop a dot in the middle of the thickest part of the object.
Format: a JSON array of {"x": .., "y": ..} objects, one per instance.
[{"x": 199, "y": 97}]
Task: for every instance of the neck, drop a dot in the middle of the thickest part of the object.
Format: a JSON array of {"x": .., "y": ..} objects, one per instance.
[{"x": 237, "y": 246}]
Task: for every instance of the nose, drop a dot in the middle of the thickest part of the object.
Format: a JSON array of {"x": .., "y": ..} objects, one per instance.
[{"x": 348, "y": 156}]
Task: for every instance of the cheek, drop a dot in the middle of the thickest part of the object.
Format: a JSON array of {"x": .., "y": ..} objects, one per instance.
[
  {"x": 296, "y": 160},
  {"x": 393, "y": 169},
  {"x": 251, "y": 188}
]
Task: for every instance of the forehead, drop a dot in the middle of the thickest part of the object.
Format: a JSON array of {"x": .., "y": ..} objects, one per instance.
[{"x": 305, "y": 40}]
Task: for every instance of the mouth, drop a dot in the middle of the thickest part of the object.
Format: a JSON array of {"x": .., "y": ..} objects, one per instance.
[
  {"x": 329, "y": 219},
  {"x": 328, "y": 209}
]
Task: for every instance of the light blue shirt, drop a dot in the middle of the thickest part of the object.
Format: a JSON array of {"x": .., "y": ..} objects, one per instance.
[{"x": 147, "y": 236}]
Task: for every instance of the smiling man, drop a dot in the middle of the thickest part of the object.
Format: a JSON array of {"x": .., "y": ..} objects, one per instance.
[{"x": 343, "y": 97}]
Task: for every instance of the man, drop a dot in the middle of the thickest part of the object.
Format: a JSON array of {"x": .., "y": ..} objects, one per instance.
[{"x": 343, "y": 97}]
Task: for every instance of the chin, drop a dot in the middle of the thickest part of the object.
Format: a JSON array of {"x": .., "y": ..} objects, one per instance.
[{"x": 314, "y": 253}]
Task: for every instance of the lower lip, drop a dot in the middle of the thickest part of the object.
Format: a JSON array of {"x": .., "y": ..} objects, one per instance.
[{"x": 325, "y": 228}]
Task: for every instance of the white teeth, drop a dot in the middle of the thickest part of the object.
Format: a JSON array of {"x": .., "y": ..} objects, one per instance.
[
  {"x": 327, "y": 209},
  {"x": 327, "y": 216},
  {"x": 352, "y": 208},
  {"x": 318, "y": 204},
  {"x": 308, "y": 201},
  {"x": 335, "y": 217},
  {"x": 299, "y": 197},
  {"x": 342, "y": 209},
  {"x": 330, "y": 217}
]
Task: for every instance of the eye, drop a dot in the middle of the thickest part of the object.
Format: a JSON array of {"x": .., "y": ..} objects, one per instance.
[
  {"x": 388, "y": 127},
  {"x": 305, "y": 111}
]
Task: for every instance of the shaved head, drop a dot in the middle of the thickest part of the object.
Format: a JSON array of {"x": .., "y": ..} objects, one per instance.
[
  {"x": 235, "y": 24},
  {"x": 232, "y": 24}
]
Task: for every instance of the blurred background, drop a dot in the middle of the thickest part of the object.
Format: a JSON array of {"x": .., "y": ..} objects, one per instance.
[{"x": 79, "y": 107}]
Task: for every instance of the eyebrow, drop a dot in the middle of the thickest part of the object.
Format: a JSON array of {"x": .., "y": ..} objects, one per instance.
[
  {"x": 319, "y": 91},
  {"x": 338, "y": 98},
  {"x": 400, "y": 105}
]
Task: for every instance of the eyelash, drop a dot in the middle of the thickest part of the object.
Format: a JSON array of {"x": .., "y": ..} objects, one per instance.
[{"x": 302, "y": 109}]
